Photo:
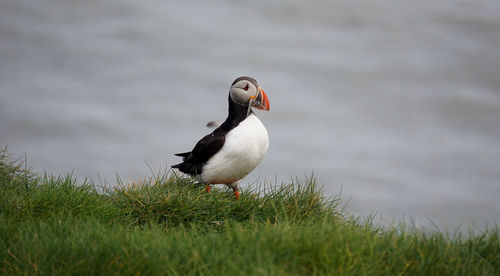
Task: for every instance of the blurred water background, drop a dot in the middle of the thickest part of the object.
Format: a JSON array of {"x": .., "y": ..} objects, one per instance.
[{"x": 394, "y": 103}]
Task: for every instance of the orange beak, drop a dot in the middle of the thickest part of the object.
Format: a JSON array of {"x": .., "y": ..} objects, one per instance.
[{"x": 261, "y": 101}]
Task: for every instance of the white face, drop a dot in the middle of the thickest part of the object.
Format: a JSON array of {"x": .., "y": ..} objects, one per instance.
[{"x": 243, "y": 91}]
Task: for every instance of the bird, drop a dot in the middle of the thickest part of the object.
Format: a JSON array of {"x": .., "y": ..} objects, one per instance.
[{"x": 235, "y": 147}]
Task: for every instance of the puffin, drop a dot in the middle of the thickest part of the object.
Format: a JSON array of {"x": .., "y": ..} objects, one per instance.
[{"x": 236, "y": 146}]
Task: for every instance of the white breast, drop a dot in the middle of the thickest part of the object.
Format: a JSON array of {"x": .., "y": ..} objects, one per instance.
[{"x": 244, "y": 148}]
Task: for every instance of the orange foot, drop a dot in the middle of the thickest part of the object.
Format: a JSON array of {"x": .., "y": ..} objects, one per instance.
[
  {"x": 237, "y": 194},
  {"x": 207, "y": 188}
]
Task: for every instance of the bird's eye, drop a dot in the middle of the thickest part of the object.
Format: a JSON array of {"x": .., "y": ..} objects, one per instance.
[{"x": 245, "y": 87}]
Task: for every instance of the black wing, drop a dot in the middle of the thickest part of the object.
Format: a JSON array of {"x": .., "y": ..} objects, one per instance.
[
  {"x": 184, "y": 155},
  {"x": 201, "y": 153}
]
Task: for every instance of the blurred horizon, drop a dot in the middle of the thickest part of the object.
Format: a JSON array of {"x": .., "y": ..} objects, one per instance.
[{"x": 396, "y": 104}]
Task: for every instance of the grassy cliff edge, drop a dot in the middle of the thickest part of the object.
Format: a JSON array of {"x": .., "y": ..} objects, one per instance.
[{"x": 168, "y": 225}]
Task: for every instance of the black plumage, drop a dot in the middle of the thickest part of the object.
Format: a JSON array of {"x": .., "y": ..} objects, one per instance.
[{"x": 209, "y": 145}]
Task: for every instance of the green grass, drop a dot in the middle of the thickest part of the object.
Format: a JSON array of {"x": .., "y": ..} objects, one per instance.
[{"x": 53, "y": 225}]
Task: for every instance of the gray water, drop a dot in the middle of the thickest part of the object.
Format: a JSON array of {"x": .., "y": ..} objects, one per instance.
[{"x": 396, "y": 104}]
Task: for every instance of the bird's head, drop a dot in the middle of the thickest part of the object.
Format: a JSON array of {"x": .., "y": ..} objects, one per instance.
[{"x": 245, "y": 91}]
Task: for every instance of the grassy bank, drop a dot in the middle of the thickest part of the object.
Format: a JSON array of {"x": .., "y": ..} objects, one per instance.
[{"x": 168, "y": 225}]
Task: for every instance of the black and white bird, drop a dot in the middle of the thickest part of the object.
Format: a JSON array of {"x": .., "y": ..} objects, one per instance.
[{"x": 237, "y": 146}]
